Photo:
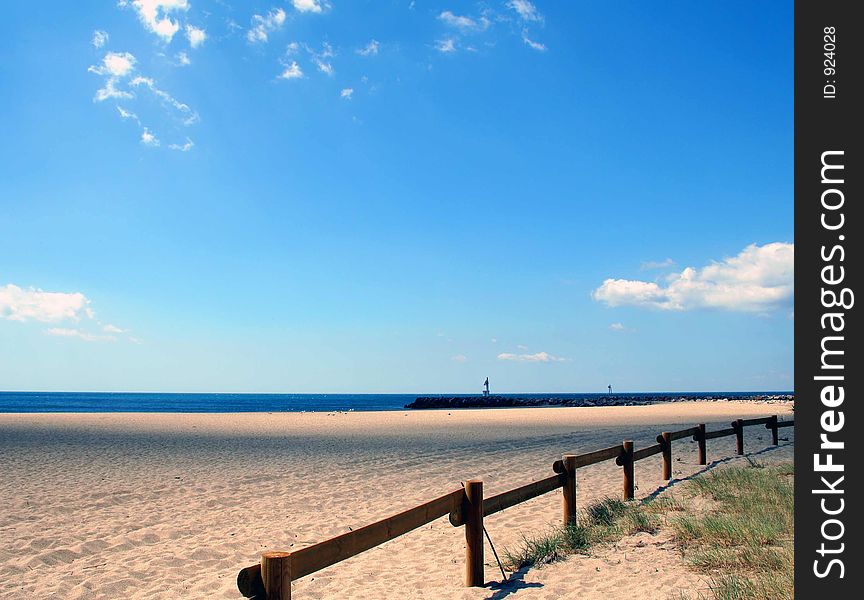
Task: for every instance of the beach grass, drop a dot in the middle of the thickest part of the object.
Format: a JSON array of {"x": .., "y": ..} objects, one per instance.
[
  {"x": 601, "y": 522},
  {"x": 734, "y": 525},
  {"x": 743, "y": 539}
]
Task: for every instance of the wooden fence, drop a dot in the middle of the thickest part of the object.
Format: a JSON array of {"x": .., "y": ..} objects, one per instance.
[{"x": 271, "y": 578}]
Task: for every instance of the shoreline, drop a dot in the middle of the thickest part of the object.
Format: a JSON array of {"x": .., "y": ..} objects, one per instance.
[{"x": 164, "y": 505}]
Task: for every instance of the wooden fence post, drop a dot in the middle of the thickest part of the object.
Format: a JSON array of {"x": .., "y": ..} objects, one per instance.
[
  {"x": 738, "y": 426},
  {"x": 569, "y": 489},
  {"x": 627, "y": 463},
  {"x": 703, "y": 454},
  {"x": 773, "y": 427},
  {"x": 666, "y": 441},
  {"x": 276, "y": 575},
  {"x": 474, "y": 533}
]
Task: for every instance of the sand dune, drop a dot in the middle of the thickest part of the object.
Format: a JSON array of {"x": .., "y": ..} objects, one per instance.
[{"x": 172, "y": 505}]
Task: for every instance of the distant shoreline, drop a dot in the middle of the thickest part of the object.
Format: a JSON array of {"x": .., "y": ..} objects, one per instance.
[
  {"x": 498, "y": 401},
  {"x": 102, "y": 402}
]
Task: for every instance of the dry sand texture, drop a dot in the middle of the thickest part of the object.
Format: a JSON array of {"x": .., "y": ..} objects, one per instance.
[{"x": 173, "y": 505}]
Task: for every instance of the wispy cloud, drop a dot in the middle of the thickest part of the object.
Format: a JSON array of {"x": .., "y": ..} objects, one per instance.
[
  {"x": 532, "y": 44},
  {"x": 758, "y": 279},
  {"x": 188, "y": 115},
  {"x": 148, "y": 139},
  {"x": 370, "y": 49},
  {"x": 620, "y": 328},
  {"x": 184, "y": 147},
  {"x": 80, "y": 334},
  {"x": 460, "y": 358},
  {"x": 100, "y": 38},
  {"x": 303, "y": 6},
  {"x": 195, "y": 36},
  {"x": 539, "y": 357},
  {"x": 183, "y": 59},
  {"x": 115, "y": 67},
  {"x": 154, "y": 15},
  {"x": 292, "y": 71},
  {"x": 347, "y": 93},
  {"x": 446, "y": 45},
  {"x": 263, "y": 26},
  {"x": 657, "y": 264},
  {"x": 464, "y": 23},
  {"x": 322, "y": 57},
  {"x": 115, "y": 64},
  {"x": 525, "y": 10}
]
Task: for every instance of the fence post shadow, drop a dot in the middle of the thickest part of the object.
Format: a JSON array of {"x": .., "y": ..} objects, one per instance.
[{"x": 512, "y": 584}]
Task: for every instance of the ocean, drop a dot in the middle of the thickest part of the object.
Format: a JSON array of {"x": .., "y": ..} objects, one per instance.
[{"x": 12, "y": 402}]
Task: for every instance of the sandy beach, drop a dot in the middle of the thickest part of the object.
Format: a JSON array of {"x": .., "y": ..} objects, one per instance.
[{"x": 173, "y": 505}]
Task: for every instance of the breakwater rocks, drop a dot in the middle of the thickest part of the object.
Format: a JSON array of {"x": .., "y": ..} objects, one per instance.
[{"x": 426, "y": 402}]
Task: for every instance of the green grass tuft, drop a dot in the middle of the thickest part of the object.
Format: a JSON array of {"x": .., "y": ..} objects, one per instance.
[{"x": 744, "y": 543}]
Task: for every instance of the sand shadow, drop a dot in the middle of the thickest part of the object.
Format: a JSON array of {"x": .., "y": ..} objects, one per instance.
[
  {"x": 710, "y": 466},
  {"x": 514, "y": 583}
]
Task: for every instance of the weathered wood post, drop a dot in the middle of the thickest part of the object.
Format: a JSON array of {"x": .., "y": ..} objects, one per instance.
[
  {"x": 665, "y": 441},
  {"x": 627, "y": 464},
  {"x": 772, "y": 425},
  {"x": 738, "y": 426},
  {"x": 474, "y": 533},
  {"x": 276, "y": 575},
  {"x": 569, "y": 489},
  {"x": 703, "y": 450}
]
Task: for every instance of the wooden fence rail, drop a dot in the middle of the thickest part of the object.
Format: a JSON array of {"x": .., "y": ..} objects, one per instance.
[{"x": 271, "y": 578}]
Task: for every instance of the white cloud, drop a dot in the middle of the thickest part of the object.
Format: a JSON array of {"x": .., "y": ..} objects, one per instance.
[
  {"x": 33, "y": 304},
  {"x": 657, "y": 264},
  {"x": 185, "y": 147},
  {"x": 758, "y": 279},
  {"x": 125, "y": 114},
  {"x": 321, "y": 59},
  {"x": 195, "y": 36},
  {"x": 189, "y": 116},
  {"x": 543, "y": 357},
  {"x": 183, "y": 59},
  {"x": 262, "y": 26},
  {"x": 369, "y": 49},
  {"x": 313, "y": 6},
  {"x": 110, "y": 91},
  {"x": 148, "y": 139},
  {"x": 525, "y": 9},
  {"x": 446, "y": 46},
  {"x": 532, "y": 44},
  {"x": 462, "y": 22},
  {"x": 109, "y": 328},
  {"x": 292, "y": 71},
  {"x": 460, "y": 358},
  {"x": 617, "y": 327},
  {"x": 346, "y": 93},
  {"x": 100, "y": 38},
  {"x": 115, "y": 66},
  {"x": 153, "y": 14},
  {"x": 80, "y": 334}
]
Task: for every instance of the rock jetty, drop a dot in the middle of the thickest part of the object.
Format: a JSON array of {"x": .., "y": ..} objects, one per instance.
[{"x": 427, "y": 402}]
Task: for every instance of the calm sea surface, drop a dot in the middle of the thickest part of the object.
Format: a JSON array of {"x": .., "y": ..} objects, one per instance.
[{"x": 150, "y": 402}]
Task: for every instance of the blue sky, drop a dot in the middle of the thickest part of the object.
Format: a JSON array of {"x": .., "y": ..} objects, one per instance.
[{"x": 396, "y": 196}]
